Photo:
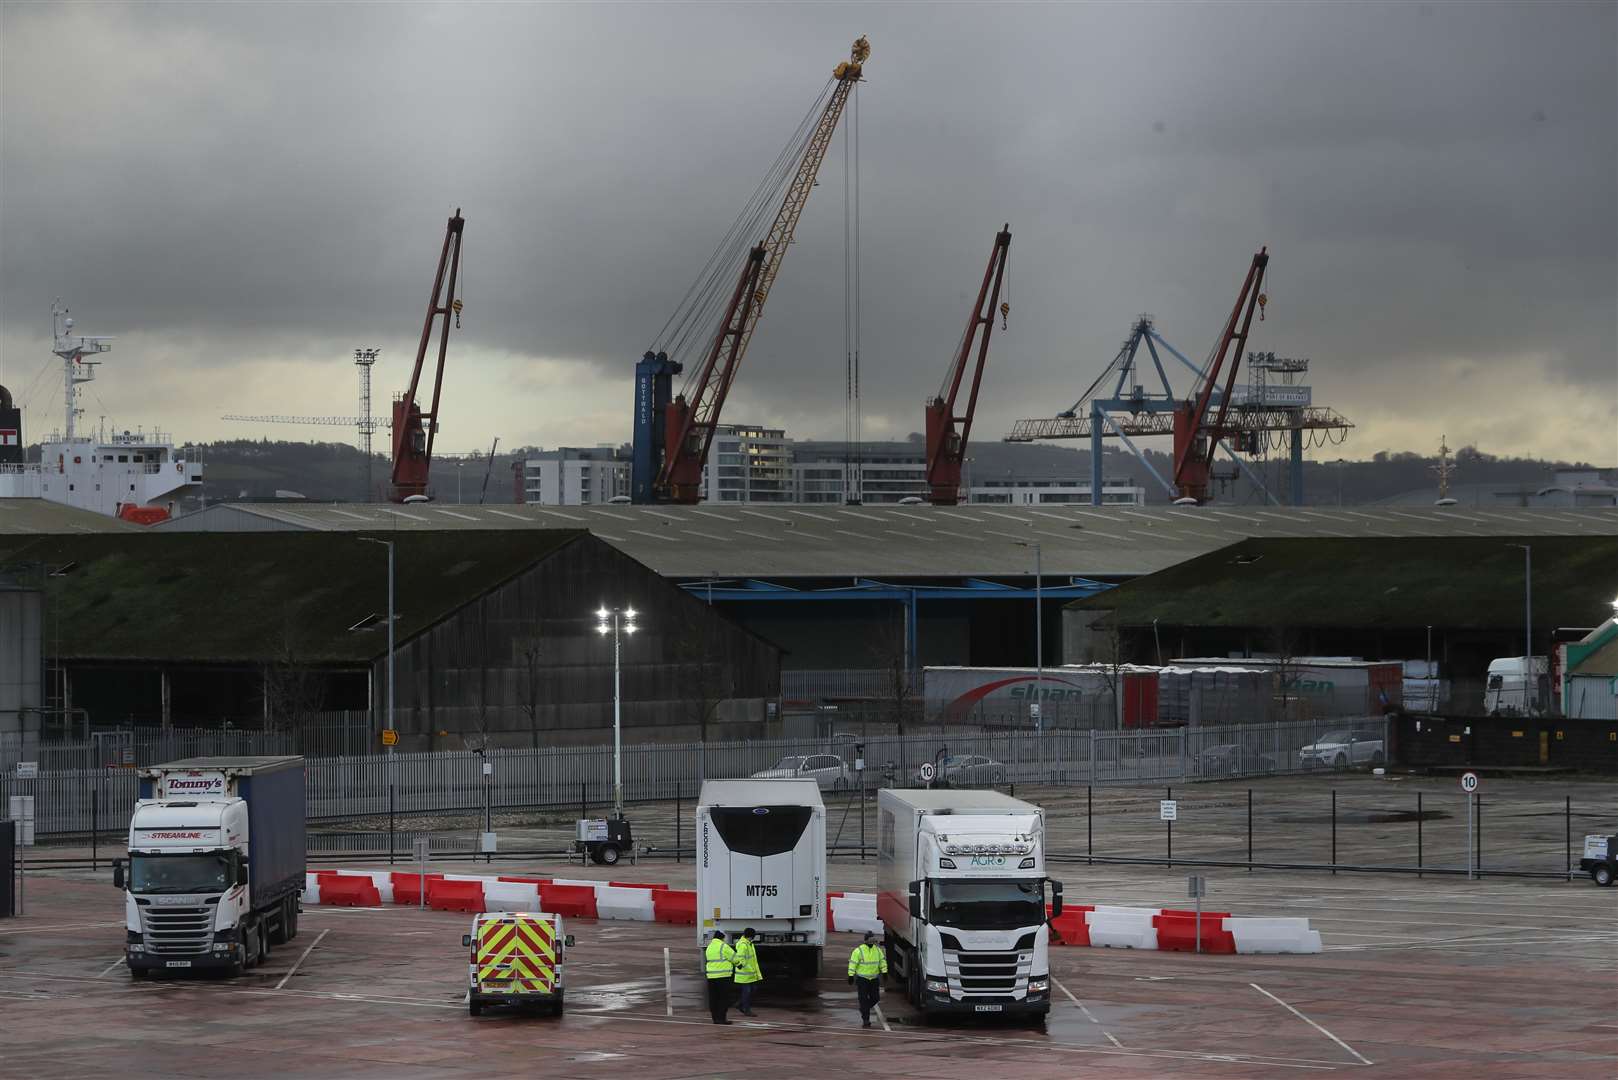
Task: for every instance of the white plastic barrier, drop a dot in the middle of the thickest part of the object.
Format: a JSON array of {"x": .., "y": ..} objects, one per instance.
[
  {"x": 1122, "y": 929},
  {"x": 616, "y": 902},
  {"x": 1273, "y": 935},
  {"x": 383, "y": 880},
  {"x": 311, "y": 888},
  {"x": 510, "y": 895},
  {"x": 854, "y": 914}
]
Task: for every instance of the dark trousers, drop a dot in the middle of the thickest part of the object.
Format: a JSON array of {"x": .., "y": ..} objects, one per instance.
[
  {"x": 870, "y": 992},
  {"x": 745, "y": 1005},
  {"x": 718, "y": 998}
]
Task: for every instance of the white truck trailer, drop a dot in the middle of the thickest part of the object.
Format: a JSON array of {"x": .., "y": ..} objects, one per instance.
[
  {"x": 761, "y": 862},
  {"x": 962, "y": 896},
  {"x": 216, "y": 864}
]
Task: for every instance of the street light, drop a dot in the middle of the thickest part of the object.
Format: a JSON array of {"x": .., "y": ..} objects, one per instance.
[
  {"x": 615, "y": 621},
  {"x": 1530, "y": 678},
  {"x": 1039, "y": 631},
  {"x": 389, "y": 545}
]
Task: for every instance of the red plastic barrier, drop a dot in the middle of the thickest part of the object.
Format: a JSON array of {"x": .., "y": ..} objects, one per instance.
[
  {"x": 349, "y": 891},
  {"x": 635, "y": 885},
  {"x": 443, "y": 895},
  {"x": 525, "y": 880},
  {"x": 578, "y": 901},
  {"x": 1176, "y": 933},
  {"x": 830, "y": 923},
  {"x": 1069, "y": 928},
  {"x": 677, "y": 906},
  {"x": 1176, "y": 913},
  {"x": 407, "y": 887}
]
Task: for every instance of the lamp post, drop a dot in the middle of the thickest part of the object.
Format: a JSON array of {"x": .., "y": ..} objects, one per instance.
[
  {"x": 1039, "y": 632},
  {"x": 616, "y": 621},
  {"x": 1530, "y": 678},
  {"x": 389, "y": 545}
]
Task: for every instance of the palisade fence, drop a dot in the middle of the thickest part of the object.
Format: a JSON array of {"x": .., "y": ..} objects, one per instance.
[{"x": 340, "y": 788}]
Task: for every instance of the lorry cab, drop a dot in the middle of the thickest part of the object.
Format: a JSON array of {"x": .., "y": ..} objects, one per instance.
[
  {"x": 1509, "y": 691},
  {"x": 516, "y": 958}
]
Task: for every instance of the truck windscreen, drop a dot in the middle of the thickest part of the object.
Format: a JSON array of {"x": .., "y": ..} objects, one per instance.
[
  {"x": 179, "y": 873},
  {"x": 987, "y": 905}
]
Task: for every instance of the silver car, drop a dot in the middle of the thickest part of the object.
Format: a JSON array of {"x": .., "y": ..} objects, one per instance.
[
  {"x": 828, "y": 770},
  {"x": 1341, "y": 749},
  {"x": 967, "y": 770}
]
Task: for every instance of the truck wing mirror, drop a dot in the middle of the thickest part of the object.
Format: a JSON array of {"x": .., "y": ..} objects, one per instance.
[
  {"x": 117, "y": 873},
  {"x": 915, "y": 901},
  {"x": 466, "y": 941},
  {"x": 567, "y": 942},
  {"x": 241, "y": 873},
  {"x": 1056, "y": 899}
]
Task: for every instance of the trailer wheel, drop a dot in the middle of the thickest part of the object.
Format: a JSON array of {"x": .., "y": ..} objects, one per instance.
[
  {"x": 607, "y": 855},
  {"x": 1601, "y": 874}
]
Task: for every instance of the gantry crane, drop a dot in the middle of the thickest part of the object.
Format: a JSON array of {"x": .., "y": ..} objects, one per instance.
[
  {"x": 1132, "y": 410},
  {"x": 414, "y": 428},
  {"x": 672, "y": 437},
  {"x": 946, "y": 444}
]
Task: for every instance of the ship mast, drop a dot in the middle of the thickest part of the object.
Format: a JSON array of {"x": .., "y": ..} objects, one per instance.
[{"x": 73, "y": 348}]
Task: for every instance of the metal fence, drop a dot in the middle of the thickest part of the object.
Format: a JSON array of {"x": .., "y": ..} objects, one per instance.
[
  {"x": 340, "y": 788},
  {"x": 140, "y": 746}
]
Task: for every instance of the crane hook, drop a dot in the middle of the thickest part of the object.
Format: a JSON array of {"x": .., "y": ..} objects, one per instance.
[
  {"x": 1005, "y": 309},
  {"x": 1263, "y": 299},
  {"x": 457, "y": 306}
]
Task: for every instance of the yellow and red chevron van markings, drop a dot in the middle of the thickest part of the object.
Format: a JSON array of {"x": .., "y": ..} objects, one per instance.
[{"x": 517, "y": 955}]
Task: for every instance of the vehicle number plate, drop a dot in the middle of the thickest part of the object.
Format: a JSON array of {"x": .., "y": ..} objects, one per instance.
[
  {"x": 987, "y": 1008},
  {"x": 178, "y": 963}
]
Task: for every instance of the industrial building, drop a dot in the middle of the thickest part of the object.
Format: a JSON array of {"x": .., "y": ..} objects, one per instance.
[{"x": 496, "y": 636}]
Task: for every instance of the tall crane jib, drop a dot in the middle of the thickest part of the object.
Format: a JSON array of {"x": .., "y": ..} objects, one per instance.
[
  {"x": 413, "y": 427},
  {"x": 947, "y": 432},
  {"x": 672, "y": 437}
]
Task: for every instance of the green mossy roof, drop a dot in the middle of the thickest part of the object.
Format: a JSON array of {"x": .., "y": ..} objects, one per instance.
[
  {"x": 257, "y": 597},
  {"x": 1456, "y": 582}
]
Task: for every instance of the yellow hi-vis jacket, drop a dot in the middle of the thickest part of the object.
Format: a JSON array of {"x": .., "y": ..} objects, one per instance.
[
  {"x": 747, "y": 969},
  {"x": 867, "y": 962},
  {"x": 721, "y": 959}
]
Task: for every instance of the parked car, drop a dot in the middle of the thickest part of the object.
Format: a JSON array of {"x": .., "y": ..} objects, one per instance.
[
  {"x": 967, "y": 770},
  {"x": 828, "y": 770},
  {"x": 1231, "y": 759},
  {"x": 1341, "y": 749}
]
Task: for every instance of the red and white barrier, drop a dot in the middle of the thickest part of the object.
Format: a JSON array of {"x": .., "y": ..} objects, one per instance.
[{"x": 1101, "y": 925}]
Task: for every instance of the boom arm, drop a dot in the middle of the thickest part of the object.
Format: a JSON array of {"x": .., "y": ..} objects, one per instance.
[
  {"x": 946, "y": 447},
  {"x": 689, "y": 426},
  {"x": 413, "y": 441},
  {"x": 1193, "y": 443}
]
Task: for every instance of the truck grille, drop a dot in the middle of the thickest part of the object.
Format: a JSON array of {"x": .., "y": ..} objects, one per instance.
[
  {"x": 178, "y": 930},
  {"x": 979, "y": 973}
]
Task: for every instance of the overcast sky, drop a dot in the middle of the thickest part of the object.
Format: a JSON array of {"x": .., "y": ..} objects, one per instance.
[{"x": 243, "y": 194}]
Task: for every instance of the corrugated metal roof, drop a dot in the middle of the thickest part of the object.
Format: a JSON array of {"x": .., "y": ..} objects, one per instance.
[
  {"x": 763, "y": 540},
  {"x": 21, "y": 516}
]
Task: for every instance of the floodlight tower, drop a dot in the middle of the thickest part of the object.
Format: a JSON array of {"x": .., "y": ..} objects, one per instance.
[{"x": 363, "y": 359}]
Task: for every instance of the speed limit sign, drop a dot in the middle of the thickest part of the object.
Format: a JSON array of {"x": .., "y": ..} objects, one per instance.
[
  {"x": 926, "y": 772},
  {"x": 1469, "y": 782}
]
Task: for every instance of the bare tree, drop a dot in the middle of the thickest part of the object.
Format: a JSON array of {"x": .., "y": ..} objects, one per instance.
[
  {"x": 707, "y": 682},
  {"x": 898, "y": 681},
  {"x": 528, "y": 686},
  {"x": 1284, "y": 646},
  {"x": 293, "y": 693},
  {"x": 1106, "y": 652}
]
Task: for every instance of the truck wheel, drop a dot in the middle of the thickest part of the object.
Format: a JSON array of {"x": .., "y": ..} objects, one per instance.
[
  {"x": 1601, "y": 874},
  {"x": 278, "y": 933},
  {"x": 264, "y": 938},
  {"x": 474, "y": 1006},
  {"x": 138, "y": 973},
  {"x": 608, "y": 855}
]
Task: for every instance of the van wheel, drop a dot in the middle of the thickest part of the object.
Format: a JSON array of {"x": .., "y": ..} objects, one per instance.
[
  {"x": 561, "y": 1004},
  {"x": 1601, "y": 875},
  {"x": 608, "y": 855},
  {"x": 474, "y": 1006}
]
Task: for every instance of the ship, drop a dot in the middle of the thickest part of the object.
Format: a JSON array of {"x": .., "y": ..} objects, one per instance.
[{"x": 138, "y": 476}]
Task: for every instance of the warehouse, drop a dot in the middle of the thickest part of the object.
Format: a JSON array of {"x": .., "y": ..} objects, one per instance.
[
  {"x": 496, "y": 636},
  {"x": 1460, "y": 600}
]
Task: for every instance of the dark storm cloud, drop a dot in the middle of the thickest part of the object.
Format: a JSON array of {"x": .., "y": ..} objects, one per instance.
[{"x": 1436, "y": 184}]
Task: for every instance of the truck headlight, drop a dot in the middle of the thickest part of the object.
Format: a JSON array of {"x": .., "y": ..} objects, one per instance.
[
  {"x": 938, "y": 986},
  {"x": 1039, "y": 986}
]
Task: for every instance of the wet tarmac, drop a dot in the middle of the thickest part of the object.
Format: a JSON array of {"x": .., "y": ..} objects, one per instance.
[{"x": 1421, "y": 978}]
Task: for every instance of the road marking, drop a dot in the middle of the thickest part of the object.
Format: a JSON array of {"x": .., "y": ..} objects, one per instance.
[
  {"x": 1361, "y": 1058},
  {"x": 1087, "y": 1013},
  {"x": 1471, "y": 943},
  {"x": 54, "y": 929},
  {"x": 116, "y": 963},
  {"x": 883, "y": 1020},
  {"x": 294, "y": 969},
  {"x": 25, "y": 994},
  {"x": 331, "y": 996}
]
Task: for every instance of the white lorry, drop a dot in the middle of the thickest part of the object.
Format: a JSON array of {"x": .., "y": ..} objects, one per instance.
[
  {"x": 216, "y": 864},
  {"x": 1509, "y": 691},
  {"x": 761, "y": 862},
  {"x": 962, "y": 894}
]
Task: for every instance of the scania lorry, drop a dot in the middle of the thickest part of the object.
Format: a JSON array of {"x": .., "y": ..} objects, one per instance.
[
  {"x": 962, "y": 883},
  {"x": 761, "y": 862},
  {"x": 216, "y": 864}
]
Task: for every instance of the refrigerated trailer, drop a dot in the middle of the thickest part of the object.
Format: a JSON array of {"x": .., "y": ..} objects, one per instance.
[
  {"x": 761, "y": 862},
  {"x": 962, "y": 892},
  {"x": 216, "y": 864}
]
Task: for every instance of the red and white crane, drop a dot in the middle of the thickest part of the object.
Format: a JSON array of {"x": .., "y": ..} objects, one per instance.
[
  {"x": 413, "y": 427},
  {"x": 947, "y": 432}
]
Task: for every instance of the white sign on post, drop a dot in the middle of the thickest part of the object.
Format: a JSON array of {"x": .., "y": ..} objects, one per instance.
[
  {"x": 1469, "y": 782},
  {"x": 1168, "y": 810},
  {"x": 27, "y": 770}
]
